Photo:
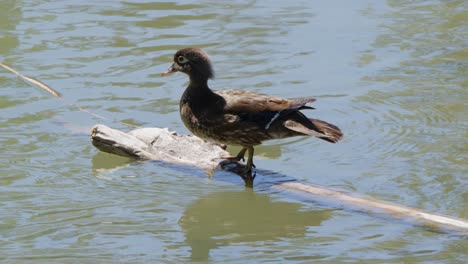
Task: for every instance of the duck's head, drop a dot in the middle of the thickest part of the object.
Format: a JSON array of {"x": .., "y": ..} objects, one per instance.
[{"x": 193, "y": 62}]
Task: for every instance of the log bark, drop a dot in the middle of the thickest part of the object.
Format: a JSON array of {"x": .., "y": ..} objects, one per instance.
[{"x": 167, "y": 146}]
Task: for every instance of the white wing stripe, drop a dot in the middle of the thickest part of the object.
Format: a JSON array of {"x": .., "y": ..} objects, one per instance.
[{"x": 272, "y": 120}]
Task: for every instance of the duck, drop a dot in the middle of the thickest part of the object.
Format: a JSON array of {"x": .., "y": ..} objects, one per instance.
[{"x": 241, "y": 117}]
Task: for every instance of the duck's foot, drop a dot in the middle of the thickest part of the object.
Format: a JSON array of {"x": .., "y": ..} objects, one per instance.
[
  {"x": 223, "y": 146},
  {"x": 248, "y": 175},
  {"x": 246, "y": 172},
  {"x": 234, "y": 158},
  {"x": 238, "y": 157}
]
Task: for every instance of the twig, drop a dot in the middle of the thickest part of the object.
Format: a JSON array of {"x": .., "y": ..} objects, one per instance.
[
  {"x": 57, "y": 94},
  {"x": 33, "y": 81}
]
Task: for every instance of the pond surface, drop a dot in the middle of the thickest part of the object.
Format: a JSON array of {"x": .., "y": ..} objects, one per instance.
[{"x": 391, "y": 74}]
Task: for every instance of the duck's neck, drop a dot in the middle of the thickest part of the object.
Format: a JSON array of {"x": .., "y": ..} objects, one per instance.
[
  {"x": 197, "y": 92},
  {"x": 199, "y": 83}
]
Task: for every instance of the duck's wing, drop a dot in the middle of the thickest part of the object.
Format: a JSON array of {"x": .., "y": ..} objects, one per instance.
[
  {"x": 263, "y": 111},
  {"x": 239, "y": 101}
]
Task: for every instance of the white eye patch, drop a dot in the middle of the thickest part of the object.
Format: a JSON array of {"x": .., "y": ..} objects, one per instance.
[{"x": 182, "y": 60}]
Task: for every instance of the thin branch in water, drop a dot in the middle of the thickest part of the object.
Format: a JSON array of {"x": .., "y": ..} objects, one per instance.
[
  {"x": 31, "y": 80},
  {"x": 57, "y": 94}
]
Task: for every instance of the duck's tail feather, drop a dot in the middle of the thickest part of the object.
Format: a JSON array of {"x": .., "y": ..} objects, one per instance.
[
  {"x": 300, "y": 103},
  {"x": 332, "y": 133},
  {"x": 316, "y": 128}
]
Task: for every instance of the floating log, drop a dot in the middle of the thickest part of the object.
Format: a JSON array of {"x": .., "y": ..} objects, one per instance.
[{"x": 168, "y": 146}]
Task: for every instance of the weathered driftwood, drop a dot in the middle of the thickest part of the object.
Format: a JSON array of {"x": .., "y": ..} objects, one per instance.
[{"x": 166, "y": 146}]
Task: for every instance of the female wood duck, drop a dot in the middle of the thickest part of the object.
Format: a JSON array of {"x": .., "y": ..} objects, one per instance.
[{"x": 237, "y": 117}]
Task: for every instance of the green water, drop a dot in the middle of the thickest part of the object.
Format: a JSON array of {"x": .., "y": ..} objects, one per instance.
[{"x": 391, "y": 75}]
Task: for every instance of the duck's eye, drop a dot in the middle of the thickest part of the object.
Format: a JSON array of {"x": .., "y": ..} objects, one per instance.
[{"x": 182, "y": 60}]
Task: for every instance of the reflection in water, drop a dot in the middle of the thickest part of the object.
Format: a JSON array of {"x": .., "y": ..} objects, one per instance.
[
  {"x": 222, "y": 219},
  {"x": 104, "y": 163}
]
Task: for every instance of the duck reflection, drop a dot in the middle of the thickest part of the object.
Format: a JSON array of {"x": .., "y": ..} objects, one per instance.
[{"x": 220, "y": 219}]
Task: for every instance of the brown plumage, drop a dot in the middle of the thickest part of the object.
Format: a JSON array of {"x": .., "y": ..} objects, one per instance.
[{"x": 237, "y": 117}]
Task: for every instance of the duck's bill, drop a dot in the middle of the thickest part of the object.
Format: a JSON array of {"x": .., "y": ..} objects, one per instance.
[{"x": 169, "y": 71}]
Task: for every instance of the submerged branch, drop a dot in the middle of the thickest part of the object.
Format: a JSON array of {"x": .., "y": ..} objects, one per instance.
[
  {"x": 57, "y": 94},
  {"x": 31, "y": 80},
  {"x": 166, "y": 146}
]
